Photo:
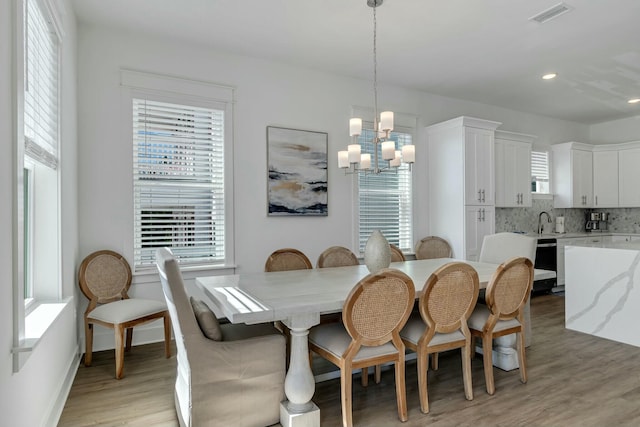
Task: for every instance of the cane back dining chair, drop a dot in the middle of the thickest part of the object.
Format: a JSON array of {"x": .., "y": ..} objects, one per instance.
[
  {"x": 496, "y": 249},
  {"x": 447, "y": 300},
  {"x": 337, "y": 256},
  {"x": 374, "y": 312},
  {"x": 507, "y": 293},
  {"x": 287, "y": 259},
  {"x": 105, "y": 278},
  {"x": 396, "y": 253},
  {"x": 432, "y": 247}
]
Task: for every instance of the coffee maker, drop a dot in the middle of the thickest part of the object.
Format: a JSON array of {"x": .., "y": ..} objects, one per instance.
[{"x": 597, "y": 221}]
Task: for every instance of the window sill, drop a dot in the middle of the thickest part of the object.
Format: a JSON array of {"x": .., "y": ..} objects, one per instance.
[
  {"x": 36, "y": 325},
  {"x": 541, "y": 196}
]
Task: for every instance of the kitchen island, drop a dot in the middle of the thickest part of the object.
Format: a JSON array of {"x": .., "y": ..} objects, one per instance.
[{"x": 602, "y": 290}]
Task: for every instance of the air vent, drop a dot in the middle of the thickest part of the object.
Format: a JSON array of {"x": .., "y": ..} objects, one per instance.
[{"x": 551, "y": 13}]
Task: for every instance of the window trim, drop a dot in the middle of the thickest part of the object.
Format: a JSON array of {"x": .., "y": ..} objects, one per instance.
[{"x": 137, "y": 84}]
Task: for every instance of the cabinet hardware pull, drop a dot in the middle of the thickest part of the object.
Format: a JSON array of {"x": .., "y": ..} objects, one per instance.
[
  {"x": 482, "y": 196},
  {"x": 479, "y": 216},
  {"x": 483, "y": 219}
]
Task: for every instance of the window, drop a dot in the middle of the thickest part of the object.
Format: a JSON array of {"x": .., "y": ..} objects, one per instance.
[
  {"x": 37, "y": 198},
  {"x": 40, "y": 117},
  {"x": 385, "y": 200},
  {"x": 179, "y": 182},
  {"x": 540, "y": 172}
]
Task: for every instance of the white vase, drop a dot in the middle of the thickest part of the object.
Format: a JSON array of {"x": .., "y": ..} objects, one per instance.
[{"x": 377, "y": 254}]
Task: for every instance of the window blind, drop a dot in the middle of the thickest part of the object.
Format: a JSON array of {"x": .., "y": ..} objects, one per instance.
[
  {"x": 540, "y": 165},
  {"x": 178, "y": 166},
  {"x": 41, "y": 87},
  {"x": 385, "y": 200},
  {"x": 540, "y": 171}
]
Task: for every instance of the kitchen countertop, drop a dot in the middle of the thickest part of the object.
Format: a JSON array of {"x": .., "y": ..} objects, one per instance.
[{"x": 578, "y": 235}]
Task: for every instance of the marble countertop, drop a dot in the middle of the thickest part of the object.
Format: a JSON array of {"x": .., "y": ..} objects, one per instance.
[
  {"x": 635, "y": 246},
  {"x": 578, "y": 235}
]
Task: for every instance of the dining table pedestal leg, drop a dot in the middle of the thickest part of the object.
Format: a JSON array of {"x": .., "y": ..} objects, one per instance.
[{"x": 299, "y": 384}]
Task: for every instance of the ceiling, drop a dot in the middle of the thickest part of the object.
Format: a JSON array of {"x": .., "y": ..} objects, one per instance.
[{"x": 487, "y": 51}]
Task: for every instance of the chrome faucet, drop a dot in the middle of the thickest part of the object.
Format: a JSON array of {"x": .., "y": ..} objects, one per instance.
[{"x": 540, "y": 226}]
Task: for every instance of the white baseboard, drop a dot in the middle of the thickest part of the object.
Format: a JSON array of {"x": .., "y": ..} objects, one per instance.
[{"x": 55, "y": 411}]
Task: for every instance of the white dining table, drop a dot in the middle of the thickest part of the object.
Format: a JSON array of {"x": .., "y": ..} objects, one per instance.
[{"x": 298, "y": 298}]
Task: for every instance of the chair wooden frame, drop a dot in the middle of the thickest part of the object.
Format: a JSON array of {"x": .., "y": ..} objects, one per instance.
[
  {"x": 337, "y": 256},
  {"x": 503, "y": 306},
  {"x": 433, "y": 247},
  {"x": 287, "y": 259},
  {"x": 396, "y": 253},
  {"x": 371, "y": 321},
  {"x": 100, "y": 291},
  {"x": 448, "y": 298}
]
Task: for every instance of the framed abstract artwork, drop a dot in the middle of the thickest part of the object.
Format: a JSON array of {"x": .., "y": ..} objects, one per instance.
[{"x": 297, "y": 167}]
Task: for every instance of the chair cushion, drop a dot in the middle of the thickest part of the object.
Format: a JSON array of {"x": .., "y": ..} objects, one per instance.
[
  {"x": 207, "y": 321},
  {"x": 126, "y": 310},
  {"x": 335, "y": 339},
  {"x": 480, "y": 315},
  {"x": 415, "y": 327}
]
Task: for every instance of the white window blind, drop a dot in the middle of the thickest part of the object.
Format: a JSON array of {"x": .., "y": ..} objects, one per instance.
[
  {"x": 178, "y": 162},
  {"x": 385, "y": 200},
  {"x": 540, "y": 171},
  {"x": 41, "y": 87}
]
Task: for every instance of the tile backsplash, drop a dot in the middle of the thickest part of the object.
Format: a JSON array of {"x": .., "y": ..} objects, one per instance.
[{"x": 621, "y": 220}]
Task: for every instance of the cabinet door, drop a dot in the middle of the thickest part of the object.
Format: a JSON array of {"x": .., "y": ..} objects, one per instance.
[
  {"x": 479, "y": 167},
  {"x": 513, "y": 173},
  {"x": 522, "y": 175},
  {"x": 582, "y": 174},
  {"x": 605, "y": 179},
  {"x": 479, "y": 222},
  {"x": 629, "y": 175}
]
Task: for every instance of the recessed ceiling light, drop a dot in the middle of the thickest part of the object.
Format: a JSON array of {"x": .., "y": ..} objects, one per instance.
[
  {"x": 549, "y": 76},
  {"x": 634, "y": 101}
]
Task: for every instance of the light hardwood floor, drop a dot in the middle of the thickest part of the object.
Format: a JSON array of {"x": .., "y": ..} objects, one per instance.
[{"x": 574, "y": 380}]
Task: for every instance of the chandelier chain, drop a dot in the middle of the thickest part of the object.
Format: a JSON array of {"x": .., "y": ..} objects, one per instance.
[{"x": 375, "y": 71}]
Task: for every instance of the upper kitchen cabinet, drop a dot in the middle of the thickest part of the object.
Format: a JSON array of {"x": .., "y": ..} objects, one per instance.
[
  {"x": 629, "y": 177},
  {"x": 460, "y": 165},
  {"x": 605, "y": 178},
  {"x": 572, "y": 175},
  {"x": 513, "y": 169}
]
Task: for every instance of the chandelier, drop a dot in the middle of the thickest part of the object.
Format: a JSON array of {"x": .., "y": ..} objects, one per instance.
[{"x": 353, "y": 160}]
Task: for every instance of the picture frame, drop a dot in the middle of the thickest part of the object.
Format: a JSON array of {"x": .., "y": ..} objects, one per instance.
[{"x": 297, "y": 172}]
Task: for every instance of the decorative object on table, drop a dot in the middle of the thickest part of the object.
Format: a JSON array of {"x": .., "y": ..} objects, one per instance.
[
  {"x": 297, "y": 164},
  {"x": 353, "y": 160},
  {"x": 377, "y": 254}
]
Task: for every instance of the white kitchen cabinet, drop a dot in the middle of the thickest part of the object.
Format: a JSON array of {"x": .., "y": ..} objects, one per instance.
[
  {"x": 460, "y": 168},
  {"x": 629, "y": 177},
  {"x": 605, "y": 179},
  {"x": 513, "y": 169},
  {"x": 572, "y": 175},
  {"x": 479, "y": 222}
]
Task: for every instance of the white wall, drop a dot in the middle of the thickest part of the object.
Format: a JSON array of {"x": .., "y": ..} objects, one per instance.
[
  {"x": 623, "y": 130},
  {"x": 267, "y": 93},
  {"x": 33, "y": 396}
]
